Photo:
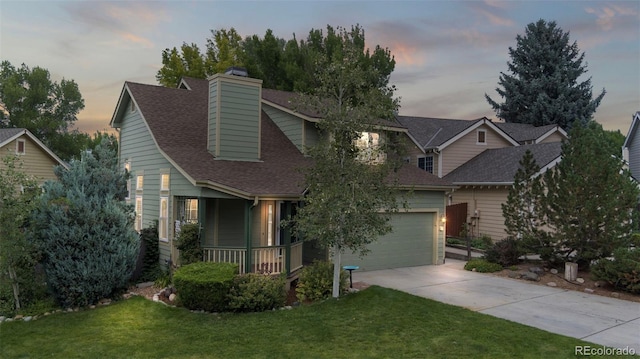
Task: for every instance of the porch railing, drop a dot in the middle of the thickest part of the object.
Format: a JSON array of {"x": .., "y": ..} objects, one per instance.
[{"x": 269, "y": 260}]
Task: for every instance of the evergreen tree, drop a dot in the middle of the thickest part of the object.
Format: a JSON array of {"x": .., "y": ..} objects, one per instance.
[
  {"x": 542, "y": 87},
  {"x": 85, "y": 230},
  {"x": 345, "y": 190},
  {"x": 590, "y": 200},
  {"x": 521, "y": 211}
]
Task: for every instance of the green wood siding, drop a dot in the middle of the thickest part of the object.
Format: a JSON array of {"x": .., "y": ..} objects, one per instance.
[
  {"x": 410, "y": 244},
  {"x": 231, "y": 223},
  {"x": 237, "y": 120},
  {"x": 289, "y": 124},
  {"x": 213, "y": 117}
]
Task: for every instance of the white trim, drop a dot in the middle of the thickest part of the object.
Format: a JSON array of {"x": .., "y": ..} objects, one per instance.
[
  {"x": 478, "y": 123},
  {"x": 33, "y": 138},
  {"x": 484, "y": 137},
  {"x": 551, "y": 132},
  {"x": 425, "y": 156},
  {"x": 24, "y": 146},
  {"x": 163, "y": 220},
  {"x": 138, "y": 211}
]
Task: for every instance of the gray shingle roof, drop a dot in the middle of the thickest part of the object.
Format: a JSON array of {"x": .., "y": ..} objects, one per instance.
[
  {"x": 7, "y": 133},
  {"x": 500, "y": 165},
  {"x": 177, "y": 119},
  {"x": 433, "y": 132},
  {"x": 524, "y": 132}
]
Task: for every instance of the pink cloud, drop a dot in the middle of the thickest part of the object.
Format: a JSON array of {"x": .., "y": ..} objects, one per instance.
[
  {"x": 408, "y": 55},
  {"x": 608, "y": 14}
]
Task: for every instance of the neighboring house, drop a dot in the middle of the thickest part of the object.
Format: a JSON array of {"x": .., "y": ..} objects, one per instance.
[
  {"x": 226, "y": 154},
  {"x": 461, "y": 150},
  {"x": 631, "y": 147},
  {"x": 37, "y": 159},
  {"x": 485, "y": 180}
]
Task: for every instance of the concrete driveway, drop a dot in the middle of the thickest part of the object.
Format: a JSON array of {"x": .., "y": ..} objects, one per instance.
[{"x": 606, "y": 321}]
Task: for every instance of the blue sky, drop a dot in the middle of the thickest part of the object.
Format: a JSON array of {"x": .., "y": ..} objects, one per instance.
[{"x": 448, "y": 53}]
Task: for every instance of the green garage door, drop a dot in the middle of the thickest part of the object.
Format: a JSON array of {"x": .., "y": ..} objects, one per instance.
[{"x": 410, "y": 244}]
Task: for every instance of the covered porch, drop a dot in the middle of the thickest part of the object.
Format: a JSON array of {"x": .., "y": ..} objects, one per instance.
[{"x": 246, "y": 232}]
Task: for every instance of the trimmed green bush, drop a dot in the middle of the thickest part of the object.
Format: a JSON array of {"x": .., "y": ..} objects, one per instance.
[
  {"x": 482, "y": 266},
  {"x": 255, "y": 292},
  {"x": 151, "y": 269},
  {"x": 316, "y": 281},
  {"x": 505, "y": 252},
  {"x": 623, "y": 271},
  {"x": 188, "y": 243},
  {"x": 204, "y": 285}
]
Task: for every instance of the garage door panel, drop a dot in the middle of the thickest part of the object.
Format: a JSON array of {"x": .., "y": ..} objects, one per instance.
[{"x": 410, "y": 244}]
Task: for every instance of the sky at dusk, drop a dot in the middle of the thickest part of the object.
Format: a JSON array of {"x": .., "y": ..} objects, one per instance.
[{"x": 448, "y": 53}]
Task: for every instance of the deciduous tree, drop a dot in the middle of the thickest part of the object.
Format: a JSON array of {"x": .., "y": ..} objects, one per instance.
[
  {"x": 543, "y": 85},
  {"x": 346, "y": 192}
]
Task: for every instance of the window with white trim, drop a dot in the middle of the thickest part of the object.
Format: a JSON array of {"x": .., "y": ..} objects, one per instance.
[
  {"x": 138, "y": 209},
  {"x": 369, "y": 144},
  {"x": 21, "y": 147},
  {"x": 426, "y": 163},
  {"x": 482, "y": 137},
  {"x": 164, "y": 182},
  {"x": 163, "y": 220},
  {"x": 139, "y": 183}
]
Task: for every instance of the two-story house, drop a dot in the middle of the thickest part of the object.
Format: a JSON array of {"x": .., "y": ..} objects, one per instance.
[
  {"x": 631, "y": 147},
  {"x": 227, "y": 154},
  {"x": 481, "y": 158}
]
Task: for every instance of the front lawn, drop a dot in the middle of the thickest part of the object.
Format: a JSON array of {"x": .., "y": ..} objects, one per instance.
[{"x": 375, "y": 323}]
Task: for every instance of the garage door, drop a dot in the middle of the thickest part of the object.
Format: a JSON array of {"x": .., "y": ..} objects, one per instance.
[{"x": 410, "y": 244}]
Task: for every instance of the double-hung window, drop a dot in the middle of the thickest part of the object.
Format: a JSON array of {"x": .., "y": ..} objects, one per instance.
[
  {"x": 426, "y": 163},
  {"x": 163, "y": 223}
]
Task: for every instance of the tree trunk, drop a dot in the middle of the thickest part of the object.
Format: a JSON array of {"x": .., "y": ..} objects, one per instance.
[
  {"x": 336, "y": 271},
  {"x": 15, "y": 286}
]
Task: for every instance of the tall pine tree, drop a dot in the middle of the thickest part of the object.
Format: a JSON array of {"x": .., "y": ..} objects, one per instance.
[
  {"x": 521, "y": 212},
  {"x": 543, "y": 85},
  {"x": 590, "y": 200}
]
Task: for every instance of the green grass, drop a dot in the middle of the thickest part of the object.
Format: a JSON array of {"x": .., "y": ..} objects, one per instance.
[{"x": 374, "y": 323}]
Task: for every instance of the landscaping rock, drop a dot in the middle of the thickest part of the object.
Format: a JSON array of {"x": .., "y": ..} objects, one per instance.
[
  {"x": 589, "y": 290},
  {"x": 46, "y": 314},
  {"x": 599, "y": 284},
  {"x": 172, "y": 297},
  {"x": 553, "y": 271},
  {"x": 9, "y": 320},
  {"x": 536, "y": 270},
  {"x": 2, "y": 319},
  {"x": 580, "y": 280},
  {"x": 552, "y": 284},
  {"x": 514, "y": 274},
  {"x": 69, "y": 310},
  {"x": 105, "y": 301},
  {"x": 18, "y": 317},
  {"x": 531, "y": 276},
  {"x": 27, "y": 319},
  {"x": 92, "y": 307},
  {"x": 144, "y": 285},
  {"x": 615, "y": 295},
  {"x": 156, "y": 298}
]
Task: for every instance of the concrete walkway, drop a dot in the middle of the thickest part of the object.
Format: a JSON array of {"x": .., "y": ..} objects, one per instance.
[{"x": 601, "y": 320}]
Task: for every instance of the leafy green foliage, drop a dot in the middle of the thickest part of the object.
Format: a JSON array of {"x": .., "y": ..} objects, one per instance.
[
  {"x": 30, "y": 99},
  {"x": 505, "y": 252},
  {"x": 542, "y": 87},
  {"x": 347, "y": 187},
  {"x": 84, "y": 230},
  {"x": 253, "y": 292},
  {"x": 622, "y": 270},
  {"x": 590, "y": 200},
  {"x": 289, "y": 65},
  {"x": 188, "y": 242},
  {"x": 482, "y": 266},
  {"x": 204, "y": 285},
  {"x": 18, "y": 257},
  {"x": 315, "y": 281}
]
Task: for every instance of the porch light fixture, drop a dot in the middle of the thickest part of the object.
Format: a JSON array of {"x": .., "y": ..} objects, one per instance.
[{"x": 443, "y": 220}]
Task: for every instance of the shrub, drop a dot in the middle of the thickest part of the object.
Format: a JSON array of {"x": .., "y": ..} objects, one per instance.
[
  {"x": 188, "y": 243},
  {"x": 204, "y": 285},
  {"x": 316, "y": 281},
  {"x": 254, "y": 292},
  {"x": 482, "y": 266},
  {"x": 505, "y": 252},
  {"x": 622, "y": 271},
  {"x": 151, "y": 269}
]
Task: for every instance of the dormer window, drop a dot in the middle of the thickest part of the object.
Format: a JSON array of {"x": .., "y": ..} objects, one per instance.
[
  {"x": 482, "y": 137},
  {"x": 369, "y": 145}
]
